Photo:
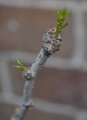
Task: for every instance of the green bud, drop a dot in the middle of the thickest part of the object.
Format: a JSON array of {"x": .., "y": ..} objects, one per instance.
[
  {"x": 61, "y": 16},
  {"x": 20, "y": 65}
]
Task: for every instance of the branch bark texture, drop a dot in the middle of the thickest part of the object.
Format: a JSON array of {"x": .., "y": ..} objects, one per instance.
[{"x": 50, "y": 44}]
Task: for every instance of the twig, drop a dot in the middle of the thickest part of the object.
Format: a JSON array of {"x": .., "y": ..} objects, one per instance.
[{"x": 50, "y": 44}]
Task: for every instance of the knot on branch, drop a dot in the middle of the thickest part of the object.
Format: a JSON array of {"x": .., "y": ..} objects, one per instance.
[
  {"x": 29, "y": 105},
  {"x": 27, "y": 74},
  {"x": 51, "y": 43}
]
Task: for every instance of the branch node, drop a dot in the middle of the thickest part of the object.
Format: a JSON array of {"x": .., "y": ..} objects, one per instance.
[
  {"x": 30, "y": 105},
  {"x": 51, "y": 43},
  {"x": 27, "y": 75}
]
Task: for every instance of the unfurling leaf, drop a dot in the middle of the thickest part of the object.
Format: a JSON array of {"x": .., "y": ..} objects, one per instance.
[
  {"x": 61, "y": 16},
  {"x": 20, "y": 65}
]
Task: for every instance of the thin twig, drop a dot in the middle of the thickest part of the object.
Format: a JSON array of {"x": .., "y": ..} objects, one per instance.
[{"x": 50, "y": 45}]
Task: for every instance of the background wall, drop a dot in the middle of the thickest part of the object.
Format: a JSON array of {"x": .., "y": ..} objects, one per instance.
[{"x": 61, "y": 87}]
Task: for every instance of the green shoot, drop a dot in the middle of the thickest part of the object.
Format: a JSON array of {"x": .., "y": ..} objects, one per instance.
[
  {"x": 61, "y": 16},
  {"x": 20, "y": 65}
]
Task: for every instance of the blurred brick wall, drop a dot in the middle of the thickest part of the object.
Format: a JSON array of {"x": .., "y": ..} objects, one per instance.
[{"x": 61, "y": 87}]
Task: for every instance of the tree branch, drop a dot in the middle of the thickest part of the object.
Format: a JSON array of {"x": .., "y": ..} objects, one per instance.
[{"x": 50, "y": 44}]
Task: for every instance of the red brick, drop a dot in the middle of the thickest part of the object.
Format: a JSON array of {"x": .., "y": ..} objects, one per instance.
[
  {"x": 6, "y": 111},
  {"x": 67, "y": 87},
  {"x": 62, "y": 86},
  {"x": 32, "y": 23}
]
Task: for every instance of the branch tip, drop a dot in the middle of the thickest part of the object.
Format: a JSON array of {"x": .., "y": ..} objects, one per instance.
[{"x": 61, "y": 17}]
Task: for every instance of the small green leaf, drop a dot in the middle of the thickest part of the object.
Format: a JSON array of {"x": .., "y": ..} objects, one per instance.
[
  {"x": 61, "y": 16},
  {"x": 20, "y": 65}
]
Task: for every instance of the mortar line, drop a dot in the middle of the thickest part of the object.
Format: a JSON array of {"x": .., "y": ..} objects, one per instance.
[
  {"x": 53, "y": 62},
  {"x": 6, "y": 85},
  {"x": 47, "y": 4},
  {"x": 48, "y": 107},
  {"x": 78, "y": 57}
]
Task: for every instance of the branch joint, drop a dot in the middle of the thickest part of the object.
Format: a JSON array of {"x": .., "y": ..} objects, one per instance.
[{"x": 27, "y": 75}]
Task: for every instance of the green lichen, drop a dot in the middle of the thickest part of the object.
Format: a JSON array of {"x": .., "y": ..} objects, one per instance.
[{"x": 61, "y": 17}]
